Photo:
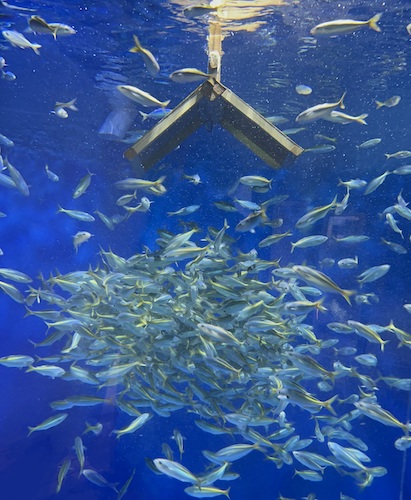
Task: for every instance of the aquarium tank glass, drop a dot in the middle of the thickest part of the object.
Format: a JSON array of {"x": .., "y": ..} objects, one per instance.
[{"x": 205, "y": 219}]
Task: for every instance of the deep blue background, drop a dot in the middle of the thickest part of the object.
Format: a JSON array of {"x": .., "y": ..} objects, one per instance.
[{"x": 35, "y": 239}]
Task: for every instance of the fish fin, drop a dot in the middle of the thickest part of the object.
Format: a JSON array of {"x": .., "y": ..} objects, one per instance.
[
  {"x": 36, "y": 48},
  {"x": 144, "y": 115},
  {"x": 387, "y": 155},
  {"x": 373, "y": 22},
  {"x": 31, "y": 429},
  {"x": 341, "y": 101},
  {"x": 361, "y": 119},
  {"x": 165, "y": 104},
  {"x": 379, "y": 104},
  {"x": 347, "y": 294},
  {"x": 137, "y": 46},
  {"x": 327, "y": 404}
]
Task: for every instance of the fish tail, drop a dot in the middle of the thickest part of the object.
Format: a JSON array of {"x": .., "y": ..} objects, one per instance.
[
  {"x": 36, "y": 48},
  {"x": 361, "y": 119},
  {"x": 379, "y": 104},
  {"x": 292, "y": 247},
  {"x": 137, "y": 46},
  {"x": 31, "y": 429},
  {"x": 341, "y": 101},
  {"x": 372, "y": 23},
  {"x": 144, "y": 115},
  {"x": 165, "y": 104},
  {"x": 387, "y": 155},
  {"x": 383, "y": 342},
  {"x": 347, "y": 294},
  {"x": 327, "y": 404}
]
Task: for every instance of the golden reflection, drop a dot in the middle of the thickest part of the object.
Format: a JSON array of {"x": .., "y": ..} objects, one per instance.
[{"x": 233, "y": 15}]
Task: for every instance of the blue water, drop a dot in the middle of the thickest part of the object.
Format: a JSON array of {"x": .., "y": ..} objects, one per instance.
[{"x": 37, "y": 241}]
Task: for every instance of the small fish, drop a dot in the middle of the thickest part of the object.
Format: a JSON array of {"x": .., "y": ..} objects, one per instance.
[
  {"x": 369, "y": 144},
  {"x": 195, "y": 179},
  {"x": 276, "y": 119},
  {"x": 134, "y": 426},
  {"x": 62, "y": 29},
  {"x": 49, "y": 423},
  {"x": 97, "y": 479},
  {"x": 79, "y": 448},
  {"x": 149, "y": 60},
  {"x": 80, "y": 237},
  {"x": 293, "y": 131},
  {"x": 51, "y": 175},
  {"x": 175, "y": 470},
  {"x": 389, "y": 103},
  {"x": 342, "y": 26},
  {"x": 322, "y": 281},
  {"x": 188, "y": 75},
  {"x": 392, "y": 222},
  {"x": 157, "y": 114},
  {"x": 344, "y": 119},
  {"x": 319, "y": 111},
  {"x": 12, "y": 292},
  {"x": 352, "y": 239},
  {"x": 95, "y": 429},
  {"x": 8, "y": 76},
  {"x": 373, "y": 274},
  {"x": 76, "y": 214},
  {"x": 125, "y": 486},
  {"x": 199, "y": 491},
  {"x": 248, "y": 205},
  {"x": 185, "y": 210},
  {"x": 321, "y": 148},
  {"x": 303, "y": 89},
  {"x": 19, "y": 40},
  {"x": 326, "y": 138},
  {"x": 16, "y": 361},
  {"x": 47, "y": 370},
  {"x": 376, "y": 183},
  {"x": 64, "y": 468},
  {"x": 399, "y": 155},
  {"x": 143, "y": 98},
  {"x": 82, "y": 186},
  {"x": 309, "y": 241},
  {"x": 66, "y": 105},
  {"x": 366, "y": 359},
  {"x": 13, "y": 275},
  {"x": 38, "y": 25},
  {"x": 404, "y": 170},
  {"x": 395, "y": 247},
  {"x": 353, "y": 183},
  {"x": 255, "y": 181},
  {"x": 348, "y": 263},
  {"x": 315, "y": 215},
  {"x": 60, "y": 112},
  {"x": 17, "y": 178}
]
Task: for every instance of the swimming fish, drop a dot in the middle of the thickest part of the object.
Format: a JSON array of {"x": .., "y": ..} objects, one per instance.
[
  {"x": 149, "y": 60},
  {"x": 143, "y": 98},
  {"x": 320, "y": 111},
  {"x": 189, "y": 75},
  {"x": 342, "y": 26},
  {"x": 19, "y": 40}
]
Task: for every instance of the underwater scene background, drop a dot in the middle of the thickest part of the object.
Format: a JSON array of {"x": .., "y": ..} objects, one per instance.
[{"x": 192, "y": 334}]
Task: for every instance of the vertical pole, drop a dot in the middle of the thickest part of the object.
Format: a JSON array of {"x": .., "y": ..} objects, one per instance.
[{"x": 214, "y": 49}]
